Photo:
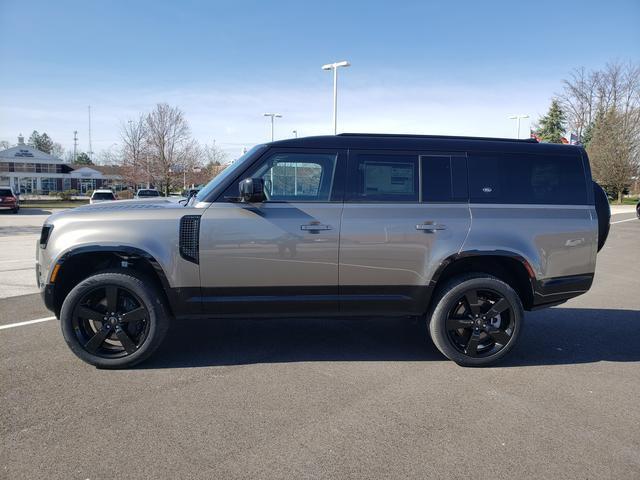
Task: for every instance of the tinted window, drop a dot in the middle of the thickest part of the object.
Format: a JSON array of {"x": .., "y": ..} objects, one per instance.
[
  {"x": 384, "y": 177},
  {"x": 148, "y": 193},
  {"x": 103, "y": 196},
  {"x": 300, "y": 177},
  {"x": 528, "y": 179},
  {"x": 5, "y": 192}
]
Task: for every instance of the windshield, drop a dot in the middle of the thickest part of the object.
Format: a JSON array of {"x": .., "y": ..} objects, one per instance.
[
  {"x": 227, "y": 172},
  {"x": 148, "y": 193},
  {"x": 103, "y": 196}
]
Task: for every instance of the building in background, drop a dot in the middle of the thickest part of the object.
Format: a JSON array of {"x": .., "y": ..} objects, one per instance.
[{"x": 29, "y": 171}]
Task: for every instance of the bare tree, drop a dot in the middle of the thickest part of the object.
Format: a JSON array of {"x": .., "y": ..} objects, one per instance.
[
  {"x": 4, "y": 145},
  {"x": 603, "y": 108},
  {"x": 135, "y": 156},
  {"x": 213, "y": 155},
  {"x": 168, "y": 136}
]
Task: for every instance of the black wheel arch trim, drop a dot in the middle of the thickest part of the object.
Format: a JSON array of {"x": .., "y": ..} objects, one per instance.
[
  {"x": 544, "y": 293},
  {"x": 126, "y": 252}
]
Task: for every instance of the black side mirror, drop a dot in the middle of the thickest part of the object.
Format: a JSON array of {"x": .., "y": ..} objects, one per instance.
[{"x": 252, "y": 190}]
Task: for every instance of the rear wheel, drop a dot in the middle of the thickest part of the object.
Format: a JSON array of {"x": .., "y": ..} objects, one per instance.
[
  {"x": 476, "y": 320},
  {"x": 16, "y": 210},
  {"x": 114, "y": 319}
]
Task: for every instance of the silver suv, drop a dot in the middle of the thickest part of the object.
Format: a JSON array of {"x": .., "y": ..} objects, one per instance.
[{"x": 463, "y": 233}]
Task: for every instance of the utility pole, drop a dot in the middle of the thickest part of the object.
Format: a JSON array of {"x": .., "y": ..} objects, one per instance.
[
  {"x": 295, "y": 133},
  {"x": 90, "y": 148},
  {"x": 75, "y": 146},
  {"x": 334, "y": 67}
]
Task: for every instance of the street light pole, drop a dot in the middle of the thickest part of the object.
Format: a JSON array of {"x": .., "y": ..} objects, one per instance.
[
  {"x": 334, "y": 67},
  {"x": 518, "y": 118},
  {"x": 272, "y": 115}
]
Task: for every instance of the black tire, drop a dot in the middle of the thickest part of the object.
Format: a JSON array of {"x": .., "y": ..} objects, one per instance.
[
  {"x": 97, "y": 336},
  {"x": 604, "y": 214},
  {"x": 454, "y": 321},
  {"x": 16, "y": 210},
  {"x": 638, "y": 210}
]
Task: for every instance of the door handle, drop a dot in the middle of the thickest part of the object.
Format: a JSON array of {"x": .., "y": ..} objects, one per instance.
[
  {"x": 430, "y": 227},
  {"x": 314, "y": 227}
]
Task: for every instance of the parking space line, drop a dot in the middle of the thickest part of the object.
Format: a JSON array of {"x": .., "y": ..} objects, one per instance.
[
  {"x": 28, "y": 322},
  {"x": 621, "y": 221}
]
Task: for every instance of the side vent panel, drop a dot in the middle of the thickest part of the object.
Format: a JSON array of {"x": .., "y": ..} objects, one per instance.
[{"x": 190, "y": 238}]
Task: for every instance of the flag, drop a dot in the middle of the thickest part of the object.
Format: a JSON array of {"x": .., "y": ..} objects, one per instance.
[{"x": 575, "y": 140}]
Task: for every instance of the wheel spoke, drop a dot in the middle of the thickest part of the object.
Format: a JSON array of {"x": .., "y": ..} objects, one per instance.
[
  {"x": 125, "y": 340},
  {"x": 500, "y": 336},
  {"x": 89, "y": 313},
  {"x": 112, "y": 298},
  {"x": 472, "y": 345},
  {"x": 473, "y": 306},
  {"x": 94, "y": 343},
  {"x": 497, "y": 308},
  {"x": 457, "y": 323},
  {"x": 136, "y": 314}
]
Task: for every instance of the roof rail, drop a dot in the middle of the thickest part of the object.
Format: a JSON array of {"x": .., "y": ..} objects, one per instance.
[{"x": 443, "y": 137}]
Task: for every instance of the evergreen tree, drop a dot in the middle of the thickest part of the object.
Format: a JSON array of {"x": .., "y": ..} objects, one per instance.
[
  {"x": 40, "y": 142},
  {"x": 83, "y": 159},
  {"x": 552, "y": 125}
]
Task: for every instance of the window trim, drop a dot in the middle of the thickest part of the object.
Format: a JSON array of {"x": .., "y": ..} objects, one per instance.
[
  {"x": 351, "y": 163},
  {"x": 337, "y": 190}
]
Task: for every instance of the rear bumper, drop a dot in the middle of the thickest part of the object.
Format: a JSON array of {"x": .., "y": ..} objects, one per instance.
[
  {"x": 8, "y": 206},
  {"x": 553, "y": 291}
]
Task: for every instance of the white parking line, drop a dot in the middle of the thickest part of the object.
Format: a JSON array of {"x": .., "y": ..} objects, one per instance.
[
  {"x": 28, "y": 322},
  {"x": 621, "y": 221}
]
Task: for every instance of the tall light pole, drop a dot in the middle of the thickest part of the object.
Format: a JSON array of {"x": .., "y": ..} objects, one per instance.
[
  {"x": 272, "y": 115},
  {"x": 518, "y": 118},
  {"x": 334, "y": 67},
  {"x": 295, "y": 133}
]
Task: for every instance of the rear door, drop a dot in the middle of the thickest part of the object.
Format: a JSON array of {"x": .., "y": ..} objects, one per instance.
[
  {"x": 404, "y": 213},
  {"x": 280, "y": 256}
]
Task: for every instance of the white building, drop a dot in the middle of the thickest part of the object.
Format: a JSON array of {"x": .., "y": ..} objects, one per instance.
[{"x": 29, "y": 171}]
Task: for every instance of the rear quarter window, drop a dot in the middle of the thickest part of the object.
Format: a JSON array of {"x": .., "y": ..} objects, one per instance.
[{"x": 527, "y": 179}]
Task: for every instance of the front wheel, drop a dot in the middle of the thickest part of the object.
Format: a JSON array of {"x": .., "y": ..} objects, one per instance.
[
  {"x": 114, "y": 319},
  {"x": 476, "y": 320}
]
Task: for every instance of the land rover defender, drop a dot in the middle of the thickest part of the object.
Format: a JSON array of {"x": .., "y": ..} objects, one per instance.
[{"x": 462, "y": 233}]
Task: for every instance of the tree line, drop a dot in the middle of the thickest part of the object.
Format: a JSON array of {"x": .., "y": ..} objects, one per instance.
[{"x": 600, "y": 109}]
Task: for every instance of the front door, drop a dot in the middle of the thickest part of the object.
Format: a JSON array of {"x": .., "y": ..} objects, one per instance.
[
  {"x": 280, "y": 256},
  {"x": 404, "y": 213}
]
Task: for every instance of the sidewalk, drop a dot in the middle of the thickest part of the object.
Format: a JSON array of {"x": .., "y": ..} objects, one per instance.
[{"x": 622, "y": 209}]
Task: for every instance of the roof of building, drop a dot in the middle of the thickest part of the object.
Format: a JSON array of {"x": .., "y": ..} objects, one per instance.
[{"x": 26, "y": 153}]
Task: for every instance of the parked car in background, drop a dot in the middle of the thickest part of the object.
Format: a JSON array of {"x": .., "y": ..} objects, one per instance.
[
  {"x": 99, "y": 196},
  {"x": 9, "y": 200},
  {"x": 638, "y": 209},
  {"x": 147, "y": 193}
]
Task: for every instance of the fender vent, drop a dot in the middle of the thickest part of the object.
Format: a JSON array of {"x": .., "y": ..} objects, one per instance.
[{"x": 190, "y": 238}]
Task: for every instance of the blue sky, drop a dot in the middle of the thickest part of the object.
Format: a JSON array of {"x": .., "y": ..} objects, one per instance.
[{"x": 420, "y": 67}]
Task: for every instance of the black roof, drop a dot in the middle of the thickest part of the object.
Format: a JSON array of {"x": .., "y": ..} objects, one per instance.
[{"x": 425, "y": 142}]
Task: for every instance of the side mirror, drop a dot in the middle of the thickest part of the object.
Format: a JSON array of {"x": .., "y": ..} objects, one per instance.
[{"x": 252, "y": 190}]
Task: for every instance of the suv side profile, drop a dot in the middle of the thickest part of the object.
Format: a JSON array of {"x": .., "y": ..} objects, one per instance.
[{"x": 463, "y": 233}]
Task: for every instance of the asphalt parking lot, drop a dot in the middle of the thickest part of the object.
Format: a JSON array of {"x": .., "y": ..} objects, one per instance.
[{"x": 327, "y": 399}]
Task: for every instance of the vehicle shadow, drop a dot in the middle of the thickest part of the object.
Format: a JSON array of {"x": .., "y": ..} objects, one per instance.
[{"x": 555, "y": 336}]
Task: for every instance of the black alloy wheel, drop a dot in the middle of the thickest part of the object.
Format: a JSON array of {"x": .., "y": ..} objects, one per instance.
[
  {"x": 111, "y": 321},
  {"x": 475, "y": 319},
  {"x": 114, "y": 319},
  {"x": 481, "y": 323}
]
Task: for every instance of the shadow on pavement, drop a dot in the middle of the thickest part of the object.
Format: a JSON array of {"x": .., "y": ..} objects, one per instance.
[
  {"x": 35, "y": 211},
  {"x": 551, "y": 337}
]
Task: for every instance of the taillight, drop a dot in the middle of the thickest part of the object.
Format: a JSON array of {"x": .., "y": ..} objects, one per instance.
[{"x": 44, "y": 235}]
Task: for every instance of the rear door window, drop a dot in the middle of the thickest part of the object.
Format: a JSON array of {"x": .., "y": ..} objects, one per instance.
[
  {"x": 383, "y": 177},
  {"x": 444, "y": 178},
  {"x": 527, "y": 179}
]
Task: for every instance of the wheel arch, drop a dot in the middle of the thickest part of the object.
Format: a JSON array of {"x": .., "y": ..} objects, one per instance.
[
  {"x": 81, "y": 262},
  {"x": 509, "y": 267}
]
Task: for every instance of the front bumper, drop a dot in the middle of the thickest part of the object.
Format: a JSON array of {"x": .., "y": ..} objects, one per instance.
[{"x": 47, "y": 293}]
